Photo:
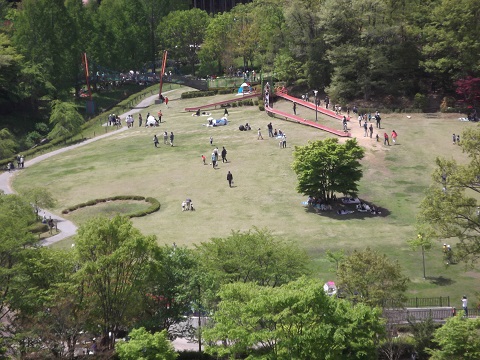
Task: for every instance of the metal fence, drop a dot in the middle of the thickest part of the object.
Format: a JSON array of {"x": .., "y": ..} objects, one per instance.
[{"x": 418, "y": 302}]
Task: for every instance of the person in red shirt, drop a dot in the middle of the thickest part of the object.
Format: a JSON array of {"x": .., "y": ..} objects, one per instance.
[
  {"x": 394, "y": 136},
  {"x": 385, "y": 139}
]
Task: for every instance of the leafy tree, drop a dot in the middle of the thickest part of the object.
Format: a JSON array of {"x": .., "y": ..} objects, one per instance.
[
  {"x": 287, "y": 68},
  {"x": 424, "y": 242},
  {"x": 326, "y": 167},
  {"x": 252, "y": 256},
  {"x": 65, "y": 119},
  {"x": 182, "y": 33},
  {"x": 469, "y": 90},
  {"x": 450, "y": 209},
  {"x": 48, "y": 305},
  {"x": 296, "y": 321},
  {"x": 39, "y": 198},
  {"x": 171, "y": 288},
  {"x": 45, "y": 34},
  {"x": 145, "y": 346},
  {"x": 451, "y": 40},
  {"x": 10, "y": 66},
  {"x": 217, "y": 48},
  {"x": 422, "y": 334},
  {"x": 372, "y": 278},
  {"x": 114, "y": 259},
  {"x": 458, "y": 339},
  {"x": 8, "y": 145},
  {"x": 15, "y": 216}
]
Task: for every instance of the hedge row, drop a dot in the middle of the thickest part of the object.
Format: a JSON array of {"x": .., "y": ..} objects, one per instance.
[
  {"x": 218, "y": 91},
  {"x": 154, "y": 204}
]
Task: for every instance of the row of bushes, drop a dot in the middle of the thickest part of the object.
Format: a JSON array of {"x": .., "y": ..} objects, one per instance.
[
  {"x": 218, "y": 91},
  {"x": 246, "y": 102},
  {"x": 154, "y": 204}
]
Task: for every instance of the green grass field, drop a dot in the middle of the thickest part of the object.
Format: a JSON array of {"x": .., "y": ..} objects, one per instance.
[{"x": 264, "y": 194}]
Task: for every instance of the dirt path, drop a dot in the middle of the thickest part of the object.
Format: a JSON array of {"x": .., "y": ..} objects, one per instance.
[{"x": 65, "y": 227}]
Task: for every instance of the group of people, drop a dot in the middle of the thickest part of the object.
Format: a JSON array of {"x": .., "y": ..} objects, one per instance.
[
  {"x": 166, "y": 139},
  {"x": 386, "y": 140},
  {"x": 215, "y": 155},
  {"x": 20, "y": 163},
  {"x": 456, "y": 139},
  {"x": 114, "y": 120},
  {"x": 187, "y": 205}
]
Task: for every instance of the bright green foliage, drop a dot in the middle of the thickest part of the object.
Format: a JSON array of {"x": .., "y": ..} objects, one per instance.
[
  {"x": 371, "y": 278},
  {"x": 171, "y": 287},
  {"x": 216, "y": 53},
  {"x": 16, "y": 215},
  {"x": 8, "y": 144},
  {"x": 450, "y": 208},
  {"x": 458, "y": 339},
  {"x": 326, "y": 167},
  {"x": 294, "y": 321},
  {"x": 182, "y": 33},
  {"x": 49, "y": 308},
  {"x": 65, "y": 119},
  {"x": 39, "y": 198},
  {"x": 114, "y": 259},
  {"x": 252, "y": 256},
  {"x": 287, "y": 68},
  {"x": 246, "y": 31},
  {"x": 145, "y": 346}
]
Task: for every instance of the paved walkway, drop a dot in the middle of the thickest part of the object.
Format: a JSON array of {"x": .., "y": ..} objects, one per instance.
[{"x": 66, "y": 227}]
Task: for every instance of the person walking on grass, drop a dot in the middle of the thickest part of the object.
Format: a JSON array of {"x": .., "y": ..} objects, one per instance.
[
  {"x": 224, "y": 155},
  {"x": 211, "y": 140},
  {"x": 214, "y": 160},
  {"x": 171, "y": 138},
  {"x": 259, "y": 137},
  {"x": 204, "y": 159},
  {"x": 295, "y": 108},
  {"x": 230, "y": 179},
  {"x": 371, "y": 130},
  {"x": 385, "y": 139},
  {"x": 140, "y": 120},
  {"x": 155, "y": 140},
  {"x": 365, "y": 128},
  {"x": 394, "y": 136}
]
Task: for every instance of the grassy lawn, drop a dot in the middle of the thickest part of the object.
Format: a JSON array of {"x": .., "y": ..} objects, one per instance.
[{"x": 264, "y": 194}]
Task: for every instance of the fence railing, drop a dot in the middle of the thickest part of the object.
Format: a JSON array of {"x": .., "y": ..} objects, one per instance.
[{"x": 418, "y": 302}]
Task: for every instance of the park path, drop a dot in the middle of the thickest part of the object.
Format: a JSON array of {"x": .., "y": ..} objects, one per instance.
[{"x": 66, "y": 227}]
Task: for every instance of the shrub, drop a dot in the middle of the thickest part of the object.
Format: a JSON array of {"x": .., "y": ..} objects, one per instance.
[
  {"x": 420, "y": 101},
  {"x": 261, "y": 107}
]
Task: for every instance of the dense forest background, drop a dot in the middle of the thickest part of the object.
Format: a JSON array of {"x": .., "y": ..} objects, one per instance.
[{"x": 388, "y": 51}]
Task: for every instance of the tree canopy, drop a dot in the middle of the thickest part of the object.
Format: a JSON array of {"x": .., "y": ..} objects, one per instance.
[
  {"x": 372, "y": 278},
  {"x": 326, "y": 167},
  {"x": 114, "y": 260},
  {"x": 145, "y": 346},
  {"x": 450, "y": 208},
  {"x": 252, "y": 256},
  {"x": 458, "y": 339},
  {"x": 296, "y": 321}
]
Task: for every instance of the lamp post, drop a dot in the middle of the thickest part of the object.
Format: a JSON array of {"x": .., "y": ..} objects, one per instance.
[{"x": 316, "y": 106}]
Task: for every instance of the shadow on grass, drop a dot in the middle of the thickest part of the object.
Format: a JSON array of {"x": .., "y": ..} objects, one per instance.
[
  {"x": 440, "y": 280},
  {"x": 354, "y": 213}
]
